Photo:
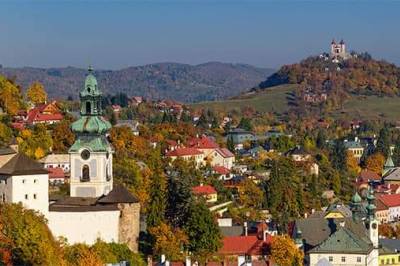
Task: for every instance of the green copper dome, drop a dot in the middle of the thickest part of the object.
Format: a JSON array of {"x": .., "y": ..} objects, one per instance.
[
  {"x": 90, "y": 88},
  {"x": 91, "y": 124},
  {"x": 356, "y": 198}
]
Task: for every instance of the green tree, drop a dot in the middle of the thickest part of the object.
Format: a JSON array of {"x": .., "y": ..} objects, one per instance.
[
  {"x": 396, "y": 152},
  {"x": 35, "y": 143},
  {"x": 230, "y": 144},
  {"x": 245, "y": 123},
  {"x": 10, "y": 96},
  {"x": 31, "y": 240},
  {"x": 383, "y": 142},
  {"x": 338, "y": 155},
  {"x": 5, "y": 134},
  {"x": 203, "y": 232}
]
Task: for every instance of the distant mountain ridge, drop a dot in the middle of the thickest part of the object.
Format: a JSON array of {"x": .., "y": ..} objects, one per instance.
[{"x": 181, "y": 82}]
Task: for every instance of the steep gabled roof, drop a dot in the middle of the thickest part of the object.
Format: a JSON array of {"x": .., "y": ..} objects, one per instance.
[
  {"x": 344, "y": 241},
  {"x": 184, "y": 152},
  {"x": 204, "y": 190},
  {"x": 249, "y": 245},
  {"x": 225, "y": 152},
  {"x": 119, "y": 194},
  {"x": 21, "y": 164},
  {"x": 390, "y": 200}
]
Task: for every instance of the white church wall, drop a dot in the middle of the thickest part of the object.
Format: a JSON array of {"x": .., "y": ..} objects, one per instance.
[
  {"x": 30, "y": 190},
  {"x": 85, "y": 227},
  {"x": 339, "y": 259}
]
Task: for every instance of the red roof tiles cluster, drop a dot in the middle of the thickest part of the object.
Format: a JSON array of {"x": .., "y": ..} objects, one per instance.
[
  {"x": 184, "y": 152},
  {"x": 203, "y": 142},
  {"x": 249, "y": 245},
  {"x": 56, "y": 173},
  {"x": 225, "y": 152},
  {"x": 204, "y": 190},
  {"x": 390, "y": 200},
  {"x": 366, "y": 175},
  {"x": 221, "y": 170}
]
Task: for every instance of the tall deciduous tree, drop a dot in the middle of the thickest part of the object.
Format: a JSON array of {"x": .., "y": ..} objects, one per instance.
[
  {"x": 35, "y": 143},
  {"x": 375, "y": 162},
  {"x": 285, "y": 252},
  {"x": 63, "y": 137},
  {"x": 10, "y": 96},
  {"x": 36, "y": 93}
]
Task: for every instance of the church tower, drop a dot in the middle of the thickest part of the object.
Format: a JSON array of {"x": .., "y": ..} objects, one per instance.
[
  {"x": 372, "y": 227},
  {"x": 91, "y": 154}
]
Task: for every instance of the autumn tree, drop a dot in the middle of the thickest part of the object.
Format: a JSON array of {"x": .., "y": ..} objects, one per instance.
[
  {"x": 35, "y": 143},
  {"x": 352, "y": 163},
  {"x": 375, "y": 162},
  {"x": 63, "y": 137},
  {"x": 10, "y": 96},
  {"x": 36, "y": 93},
  {"x": 250, "y": 195},
  {"x": 168, "y": 241},
  {"x": 31, "y": 241},
  {"x": 5, "y": 134},
  {"x": 285, "y": 252},
  {"x": 82, "y": 255}
]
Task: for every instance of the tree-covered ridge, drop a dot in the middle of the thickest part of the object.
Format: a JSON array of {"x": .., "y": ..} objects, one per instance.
[
  {"x": 359, "y": 74},
  {"x": 181, "y": 82}
]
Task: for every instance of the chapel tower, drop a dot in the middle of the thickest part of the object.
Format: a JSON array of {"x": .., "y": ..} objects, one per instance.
[{"x": 91, "y": 154}]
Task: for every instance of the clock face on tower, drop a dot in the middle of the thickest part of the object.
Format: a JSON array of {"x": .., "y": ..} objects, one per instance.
[{"x": 85, "y": 154}]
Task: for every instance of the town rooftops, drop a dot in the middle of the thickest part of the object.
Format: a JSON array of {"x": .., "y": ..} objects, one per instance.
[
  {"x": 344, "y": 241},
  {"x": 221, "y": 170},
  {"x": 56, "y": 173},
  {"x": 225, "y": 152},
  {"x": 184, "y": 152},
  {"x": 245, "y": 245},
  {"x": 119, "y": 194},
  {"x": 20, "y": 164},
  {"x": 390, "y": 200},
  {"x": 392, "y": 174},
  {"x": 55, "y": 159},
  {"x": 204, "y": 142},
  {"x": 204, "y": 190},
  {"x": 366, "y": 175}
]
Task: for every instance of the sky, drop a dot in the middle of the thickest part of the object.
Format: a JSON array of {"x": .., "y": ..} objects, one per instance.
[{"x": 118, "y": 34}]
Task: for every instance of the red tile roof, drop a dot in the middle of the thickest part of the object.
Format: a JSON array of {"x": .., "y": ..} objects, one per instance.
[
  {"x": 249, "y": 245},
  {"x": 366, "y": 175},
  {"x": 184, "y": 152},
  {"x": 221, "y": 170},
  {"x": 56, "y": 172},
  {"x": 392, "y": 200},
  {"x": 380, "y": 206},
  {"x": 36, "y": 115},
  {"x": 225, "y": 152},
  {"x": 202, "y": 143},
  {"x": 204, "y": 190}
]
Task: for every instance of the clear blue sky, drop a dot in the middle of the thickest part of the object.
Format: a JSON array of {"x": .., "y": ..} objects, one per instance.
[{"x": 116, "y": 34}]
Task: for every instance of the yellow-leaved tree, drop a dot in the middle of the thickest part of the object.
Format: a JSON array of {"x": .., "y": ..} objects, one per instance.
[
  {"x": 10, "y": 96},
  {"x": 284, "y": 252},
  {"x": 352, "y": 163},
  {"x": 36, "y": 93},
  {"x": 375, "y": 162}
]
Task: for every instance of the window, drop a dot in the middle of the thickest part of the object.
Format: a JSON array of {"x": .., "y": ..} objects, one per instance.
[
  {"x": 330, "y": 258},
  {"x": 35, "y": 181},
  {"x": 88, "y": 108},
  {"x": 23, "y": 181},
  {"x": 108, "y": 176},
  {"x": 85, "y": 174},
  {"x": 343, "y": 259},
  {"x": 393, "y": 261},
  {"x": 382, "y": 262},
  {"x": 26, "y": 196},
  {"x": 3, "y": 197},
  {"x": 34, "y": 196},
  {"x": 358, "y": 259}
]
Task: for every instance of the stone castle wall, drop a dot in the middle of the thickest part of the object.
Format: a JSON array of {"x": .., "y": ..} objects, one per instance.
[{"x": 129, "y": 223}]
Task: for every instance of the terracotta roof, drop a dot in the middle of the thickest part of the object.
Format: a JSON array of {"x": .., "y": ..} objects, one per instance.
[
  {"x": 380, "y": 206},
  {"x": 366, "y": 175},
  {"x": 221, "y": 170},
  {"x": 392, "y": 200},
  {"x": 225, "y": 152},
  {"x": 202, "y": 143},
  {"x": 119, "y": 194},
  {"x": 36, "y": 115},
  {"x": 249, "y": 245},
  {"x": 56, "y": 172},
  {"x": 204, "y": 190},
  {"x": 21, "y": 164},
  {"x": 184, "y": 152}
]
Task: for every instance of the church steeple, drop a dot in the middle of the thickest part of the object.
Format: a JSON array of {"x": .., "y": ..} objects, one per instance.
[{"x": 90, "y": 96}]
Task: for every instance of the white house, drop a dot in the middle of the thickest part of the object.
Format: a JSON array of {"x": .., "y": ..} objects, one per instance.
[
  {"x": 56, "y": 160},
  {"x": 392, "y": 202}
]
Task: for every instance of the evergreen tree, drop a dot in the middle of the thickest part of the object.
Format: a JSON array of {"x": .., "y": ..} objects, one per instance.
[
  {"x": 230, "y": 144},
  {"x": 383, "y": 143},
  {"x": 245, "y": 124},
  {"x": 396, "y": 153},
  {"x": 339, "y": 156},
  {"x": 203, "y": 232},
  {"x": 321, "y": 139}
]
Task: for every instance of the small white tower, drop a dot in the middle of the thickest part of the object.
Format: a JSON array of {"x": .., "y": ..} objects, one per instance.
[{"x": 372, "y": 227}]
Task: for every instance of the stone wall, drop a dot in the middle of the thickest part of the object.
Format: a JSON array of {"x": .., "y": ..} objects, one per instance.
[{"x": 129, "y": 222}]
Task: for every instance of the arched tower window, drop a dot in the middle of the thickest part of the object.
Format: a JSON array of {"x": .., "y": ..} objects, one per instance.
[
  {"x": 108, "y": 176},
  {"x": 88, "y": 108},
  {"x": 85, "y": 174}
]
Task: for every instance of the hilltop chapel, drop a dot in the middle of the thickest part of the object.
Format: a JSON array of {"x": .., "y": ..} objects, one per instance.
[{"x": 96, "y": 208}]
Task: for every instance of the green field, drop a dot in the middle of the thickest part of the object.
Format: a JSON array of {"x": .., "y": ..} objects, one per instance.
[
  {"x": 271, "y": 100},
  {"x": 276, "y": 99}
]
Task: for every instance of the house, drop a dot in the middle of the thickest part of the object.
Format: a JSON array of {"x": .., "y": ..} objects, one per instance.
[
  {"x": 247, "y": 249},
  {"x": 389, "y": 253},
  {"x": 222, "y": 172},
  {"x": 207, "y": 192},
  {"x": 116, "y": 109},
  {"x": 56, "y": 176},
  {"x": 56, "y": 161},
  {"x": 131, "y": 124},
  {"x": 331, "y": 239},
  {"x": 392, "y": 201},
  {"x": 382, "y": 212},
  {"x": 222, "y": 157},
  {"x": 355, "y": 148},
  {"x": 44, "y": 113},
  {"x": 240, "y": 136},
  {"x": 299, "y": 154},
  {"x": 187, "y": 154}
]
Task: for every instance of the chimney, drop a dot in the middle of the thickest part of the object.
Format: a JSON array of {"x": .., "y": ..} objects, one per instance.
[
  {"x": 245, "y": 228},
  {"x": 312, "y": 210},
  {"x": 265, "y": 233}
]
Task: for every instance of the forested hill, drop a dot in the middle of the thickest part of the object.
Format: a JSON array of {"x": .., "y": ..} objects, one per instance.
[
  {"x": 181, "y": 82},
  {"x": 360, "y": 75}
]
